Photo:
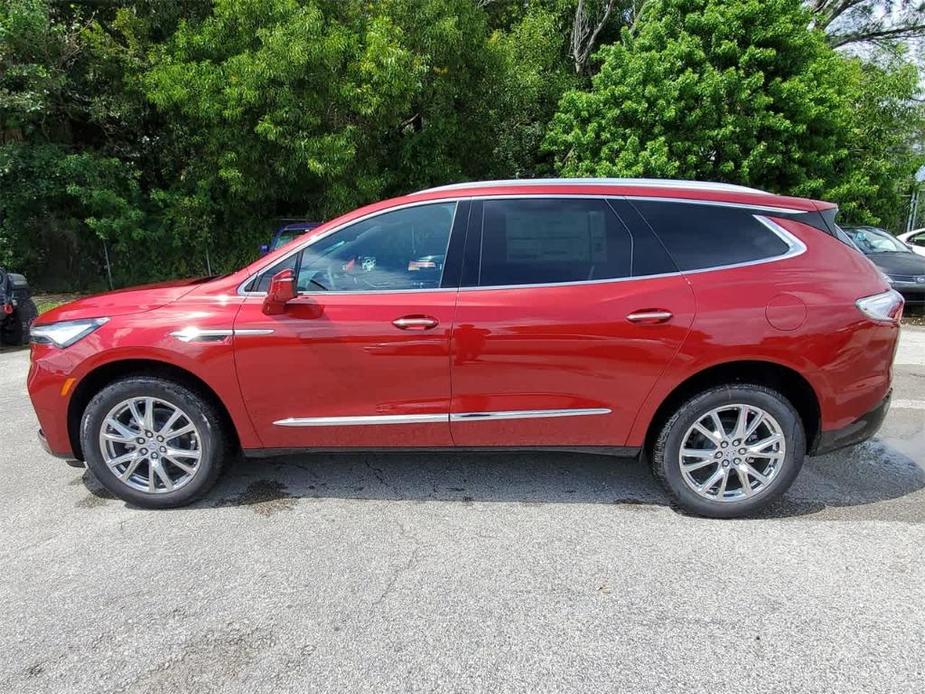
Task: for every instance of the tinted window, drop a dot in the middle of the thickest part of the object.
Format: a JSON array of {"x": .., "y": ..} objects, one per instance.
[
  {"x": 704, "y": 236},
  {"x": 404, "y": 249},
  {"x": 649, "y": 255},
  {"x": 918, "y": 240},
  {"x": 543, "y": 241}
]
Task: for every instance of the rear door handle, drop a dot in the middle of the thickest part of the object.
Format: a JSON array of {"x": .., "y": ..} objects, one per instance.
[
  {"x": 416, "y": 323},
  {"x": 649, "y": 316}
]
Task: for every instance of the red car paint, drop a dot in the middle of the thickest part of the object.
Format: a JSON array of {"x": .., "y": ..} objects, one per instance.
[{"x": 500, "y": 349}]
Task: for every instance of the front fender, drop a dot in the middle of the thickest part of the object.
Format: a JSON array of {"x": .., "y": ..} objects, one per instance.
[{"x": 57, "y": 376}]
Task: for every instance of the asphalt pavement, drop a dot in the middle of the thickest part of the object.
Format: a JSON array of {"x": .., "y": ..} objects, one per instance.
[{"x": 450, "y": 572}]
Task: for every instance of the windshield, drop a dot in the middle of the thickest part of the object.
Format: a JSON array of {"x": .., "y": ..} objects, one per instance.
[{"x": 871, "y": 241}]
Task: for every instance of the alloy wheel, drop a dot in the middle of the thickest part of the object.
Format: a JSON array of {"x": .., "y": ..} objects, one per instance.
[
  {"x": 150, "y": 445},
  {"x": 732, "y": 452}
]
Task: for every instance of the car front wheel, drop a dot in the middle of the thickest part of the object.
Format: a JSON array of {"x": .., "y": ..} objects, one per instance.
[
  {"x": 152, "y": 442},
  {"x": 730, "y": 451}
]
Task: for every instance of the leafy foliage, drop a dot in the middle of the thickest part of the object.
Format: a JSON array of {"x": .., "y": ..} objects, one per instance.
[
  {"x": 150, "y": 139},
  {"x": 743, "y": 92}
]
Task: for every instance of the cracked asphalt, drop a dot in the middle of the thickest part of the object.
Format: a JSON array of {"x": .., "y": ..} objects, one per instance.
[{"x": 489, "y": 572}]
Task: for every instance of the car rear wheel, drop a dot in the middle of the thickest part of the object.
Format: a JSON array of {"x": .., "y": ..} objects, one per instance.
[
  {"x": 153, "y": 442},
  {"x": 730, "y": 451}
]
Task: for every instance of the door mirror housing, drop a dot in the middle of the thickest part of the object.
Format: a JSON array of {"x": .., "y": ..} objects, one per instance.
[{"x": 280, "y": 292}]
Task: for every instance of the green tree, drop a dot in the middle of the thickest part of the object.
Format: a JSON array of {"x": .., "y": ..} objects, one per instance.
[
  {"x": 318, "y": 106},
  {"x": 739, "y": 91},
  {"x": 533, "y": 73},
  {"x": 884, "y": 139},
  {"x": 80, "y": 148}
]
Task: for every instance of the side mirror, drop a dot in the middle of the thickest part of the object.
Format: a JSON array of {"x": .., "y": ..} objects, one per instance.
[{"x": 280, "y": 292}]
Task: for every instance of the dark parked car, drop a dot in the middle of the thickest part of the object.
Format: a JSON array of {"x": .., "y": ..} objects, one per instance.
[
  {"x": 286, "y": 233},
  {"x": 904, "y": 268},
  {"x": 17, "y": 310}
]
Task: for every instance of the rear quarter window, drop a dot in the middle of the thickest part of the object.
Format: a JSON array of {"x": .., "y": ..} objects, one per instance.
[{"x": 704, "y": 236}]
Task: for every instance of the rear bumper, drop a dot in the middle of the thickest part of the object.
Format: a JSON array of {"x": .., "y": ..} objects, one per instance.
[{"x": 859, "y": 430}]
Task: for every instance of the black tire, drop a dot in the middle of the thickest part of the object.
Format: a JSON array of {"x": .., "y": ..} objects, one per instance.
[
  {"x": 214, "y": 440},
  {"x": 666, "y": 452},
  {"x": 18, "y": 325}
]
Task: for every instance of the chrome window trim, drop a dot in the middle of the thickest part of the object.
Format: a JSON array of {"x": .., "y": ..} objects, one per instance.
[
  {"x": 797, "y": 247},
  {"x": 365, "y": 420}
]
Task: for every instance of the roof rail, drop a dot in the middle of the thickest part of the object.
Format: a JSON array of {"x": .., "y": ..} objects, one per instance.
[{"x": 641, "y": 182}]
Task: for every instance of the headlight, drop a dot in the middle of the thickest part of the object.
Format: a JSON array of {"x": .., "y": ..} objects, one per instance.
[{"x": 65, "y": 333}]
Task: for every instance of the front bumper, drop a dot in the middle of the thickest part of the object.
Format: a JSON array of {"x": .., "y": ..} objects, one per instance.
[
  {"x": 66, "y": 457},
  {"x": 859, "y": 430}
]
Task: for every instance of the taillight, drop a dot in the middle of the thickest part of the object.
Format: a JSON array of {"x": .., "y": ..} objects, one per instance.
[{"x": 886, "y": 307}]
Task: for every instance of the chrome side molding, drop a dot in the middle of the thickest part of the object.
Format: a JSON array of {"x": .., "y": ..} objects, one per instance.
[
  {"x": 366, "y": 420},
  {"x": 526, "y": 414},
  {"x": 239, "y": 332},
  {"x": 360, "y": 420},
  {"x": 193, "y": 334}
]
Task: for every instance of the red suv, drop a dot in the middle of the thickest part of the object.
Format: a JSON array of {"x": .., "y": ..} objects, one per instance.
[{"x": 722, "y": 332}]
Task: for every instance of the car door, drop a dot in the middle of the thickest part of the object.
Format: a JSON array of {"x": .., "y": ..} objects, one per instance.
[
  {"x": 360, "y": 358},
  {"x": 567, "y": 315}
]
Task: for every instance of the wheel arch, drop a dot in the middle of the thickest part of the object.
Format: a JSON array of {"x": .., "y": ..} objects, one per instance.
[
  {"x": 112, "y": 371},
  {"x": 785, "y": 380}
]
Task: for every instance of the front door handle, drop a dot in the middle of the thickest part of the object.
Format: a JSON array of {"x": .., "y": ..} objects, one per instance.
[
  {"x": 415, "y": 323},
  {"x": 649, "y": 316}
]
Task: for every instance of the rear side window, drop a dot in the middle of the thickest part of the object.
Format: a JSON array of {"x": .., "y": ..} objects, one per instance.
[
  {"x": 540, "y": 241},
  {"x": 705, "y": 236}
]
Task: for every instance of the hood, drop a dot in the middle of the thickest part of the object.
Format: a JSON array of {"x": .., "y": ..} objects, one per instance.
[
  {"x": 899, "y": 263},
  {"x": 122, "y": 301}
]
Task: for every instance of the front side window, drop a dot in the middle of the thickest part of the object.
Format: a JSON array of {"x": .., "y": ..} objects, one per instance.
[
  {"x": 918, "y": 239},
  {"x": 703, "y": 236},
  {"x": 533, "y": 241},
  {"x": 402, "y": 249},
  {"x": 262, "y": 283}
]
